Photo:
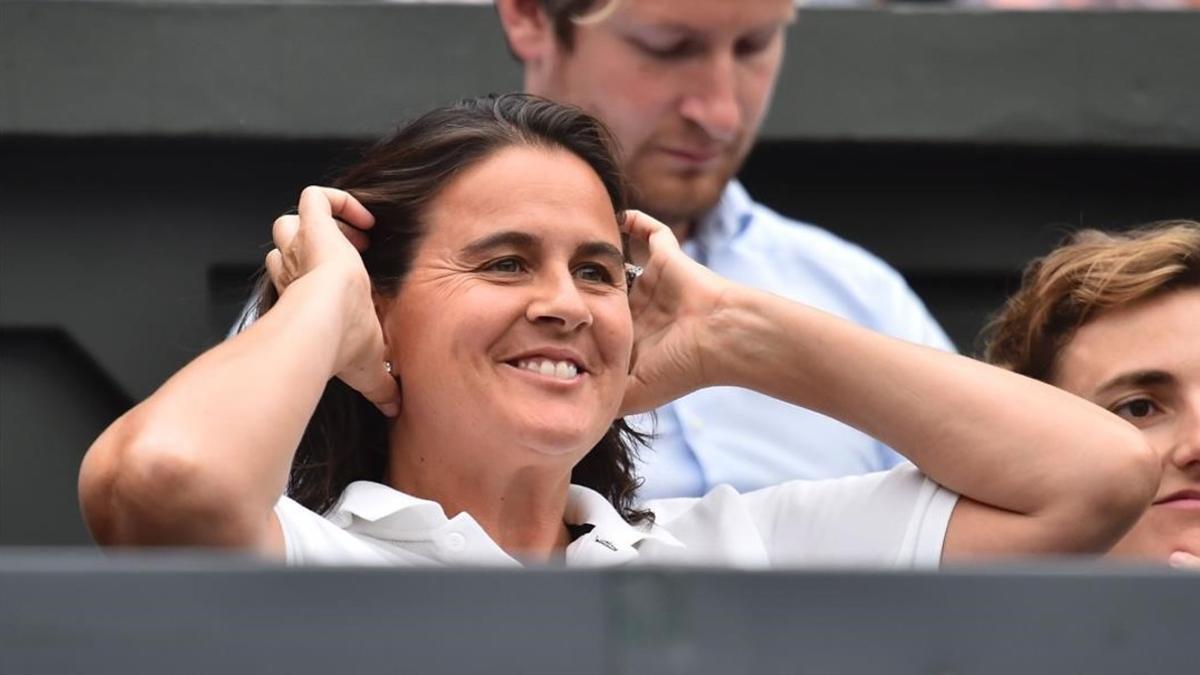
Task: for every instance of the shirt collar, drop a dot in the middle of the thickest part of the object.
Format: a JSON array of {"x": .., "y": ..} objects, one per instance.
[
  {"x": 728, "y": 219},
  {"x": 375, "y": 502},
  {"x": 404, "y": 514},
  {"x": 588, "y": 506}
]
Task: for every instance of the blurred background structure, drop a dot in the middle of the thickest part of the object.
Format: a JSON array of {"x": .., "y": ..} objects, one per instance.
[{"x": 148, "y": 146}]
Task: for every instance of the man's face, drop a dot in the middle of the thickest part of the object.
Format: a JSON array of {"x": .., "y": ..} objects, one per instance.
[{"x": 684, "y": 86}]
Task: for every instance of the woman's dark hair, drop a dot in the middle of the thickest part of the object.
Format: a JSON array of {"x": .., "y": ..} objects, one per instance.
[{"x": 396, "y": 180}]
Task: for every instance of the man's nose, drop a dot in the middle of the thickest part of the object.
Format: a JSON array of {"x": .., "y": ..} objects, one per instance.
[
  {"x": 557, "y": 301},
  {"x": 711, "y": 98}
]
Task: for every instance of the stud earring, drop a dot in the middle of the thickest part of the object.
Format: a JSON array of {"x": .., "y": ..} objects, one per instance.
[{"x": 387, "y": 365}]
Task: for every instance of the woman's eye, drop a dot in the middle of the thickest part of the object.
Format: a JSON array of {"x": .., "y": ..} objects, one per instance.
[
  {"x": 594, "y": 273},
  {"x": 1136, "y": 409},
  {"x": 505, "y": 266}
]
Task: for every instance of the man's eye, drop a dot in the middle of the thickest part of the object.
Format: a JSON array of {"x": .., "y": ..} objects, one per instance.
[
  {"x": 752, "y": 46},
  {"x": 669, "y": 52},
  {"x": 1136, "y": 409},
  {"x": 505, "y": 266}
]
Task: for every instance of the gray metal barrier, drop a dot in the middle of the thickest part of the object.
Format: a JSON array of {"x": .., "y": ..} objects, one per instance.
[{"x": 204, "y": 614}]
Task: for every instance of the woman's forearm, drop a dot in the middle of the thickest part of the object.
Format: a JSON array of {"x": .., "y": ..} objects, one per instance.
[
  {"x": 205, "y": 457},
  {"x": 999, "y": 438}
]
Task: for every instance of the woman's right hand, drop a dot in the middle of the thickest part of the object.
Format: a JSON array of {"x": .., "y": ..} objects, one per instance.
[
  {"x": 673, "y": 303},
  {"x": 322, "y": 244}
]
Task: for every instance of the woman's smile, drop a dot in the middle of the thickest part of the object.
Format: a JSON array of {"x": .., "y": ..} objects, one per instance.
[
  {"x": 558, "y": 370},
  {"x": 553, "y": 363}
]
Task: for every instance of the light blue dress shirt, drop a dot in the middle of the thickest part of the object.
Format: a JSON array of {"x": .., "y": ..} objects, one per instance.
[{"x": 731, "y": 435}]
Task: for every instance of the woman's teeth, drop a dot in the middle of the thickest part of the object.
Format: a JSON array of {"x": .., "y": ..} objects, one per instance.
[{"x": 563, "y": 370}]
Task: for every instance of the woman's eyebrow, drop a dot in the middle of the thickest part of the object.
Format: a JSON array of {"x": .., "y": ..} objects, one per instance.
[
  {"x": 509, "y": 238},
  {"x": 1137, "y": 378},
  {"x": 600, "y": 249},
  {"x": 525, "y": 241}
]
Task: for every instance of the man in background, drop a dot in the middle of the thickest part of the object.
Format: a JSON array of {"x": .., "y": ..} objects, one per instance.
[{"x": 684, "y": 86}]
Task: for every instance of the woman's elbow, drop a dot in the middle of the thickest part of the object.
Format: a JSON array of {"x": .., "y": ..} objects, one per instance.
[
  {"x": 140, "y": 486},
  {"x": 1124, "y": 485},
  {"x": 1138, "y": 470}
]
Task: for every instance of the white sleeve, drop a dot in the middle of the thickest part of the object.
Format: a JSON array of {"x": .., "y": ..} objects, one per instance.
[{"x": 893, "y": 518}]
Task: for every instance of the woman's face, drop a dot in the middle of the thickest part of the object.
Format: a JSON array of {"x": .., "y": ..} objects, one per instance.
[
  {"x": 1143, "y": 363},
  {"x": 512, "y": 332}
]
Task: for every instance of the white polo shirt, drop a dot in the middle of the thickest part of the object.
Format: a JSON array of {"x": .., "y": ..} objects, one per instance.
[{"x": 894, "y": 518}]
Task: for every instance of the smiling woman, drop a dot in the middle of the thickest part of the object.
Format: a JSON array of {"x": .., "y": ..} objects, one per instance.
[
  {"x": 508, "y": 175},
  {"x": 446, "y": 343}
]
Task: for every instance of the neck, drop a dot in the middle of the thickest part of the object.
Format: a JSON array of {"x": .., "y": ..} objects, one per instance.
[
  {"x": 521, "y": 508},
  {"x": 682, "y": 229}
]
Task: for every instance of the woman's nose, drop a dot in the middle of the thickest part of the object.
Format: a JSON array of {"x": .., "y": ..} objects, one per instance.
[
  {"x": 1186, "y": 454},
  {"x": 557, "y": 301}
]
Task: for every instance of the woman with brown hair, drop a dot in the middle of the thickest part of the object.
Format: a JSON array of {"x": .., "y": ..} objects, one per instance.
[
  {"x": 450, "y": 391},
  {"x": 1115, "y": 318}
]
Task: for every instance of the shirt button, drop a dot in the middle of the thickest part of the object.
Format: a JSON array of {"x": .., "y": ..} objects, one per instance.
[{"x": 455, "y": 541}]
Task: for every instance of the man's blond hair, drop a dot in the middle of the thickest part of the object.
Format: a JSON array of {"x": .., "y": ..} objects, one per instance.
[{"x": 567, "y": 14}]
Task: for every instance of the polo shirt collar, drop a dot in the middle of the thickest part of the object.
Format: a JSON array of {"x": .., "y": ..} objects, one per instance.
[
  {"x": 388, "y": 513},
  {"x": 417, "y": 525},
  {"x": 375, "y": 502},
  {"x": 588, "y": 506}
]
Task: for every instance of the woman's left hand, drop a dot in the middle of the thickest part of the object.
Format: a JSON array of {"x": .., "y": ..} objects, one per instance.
[{"x": 673, "y": 303}]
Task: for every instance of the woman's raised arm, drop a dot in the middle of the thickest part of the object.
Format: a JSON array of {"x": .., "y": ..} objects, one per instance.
[
  {"x": 1040, "y": 470},
  {"x": 203, "y": 460}
]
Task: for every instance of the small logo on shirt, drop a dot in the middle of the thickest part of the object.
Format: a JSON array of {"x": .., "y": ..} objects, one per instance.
[{"x": 606, "y": 544}]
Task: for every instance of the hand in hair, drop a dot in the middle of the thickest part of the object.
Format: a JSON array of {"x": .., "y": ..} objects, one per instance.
[
  {"x": 165, "y": 473},
  {"x": 966, "y": 425},
  {"x": 324, "y": 241},
  {"x": 674, "y": 304}
]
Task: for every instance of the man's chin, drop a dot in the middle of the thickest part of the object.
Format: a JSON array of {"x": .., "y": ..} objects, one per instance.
[
  {"x": 678, "y": 198},
  {"x": 676, "y": 194}
]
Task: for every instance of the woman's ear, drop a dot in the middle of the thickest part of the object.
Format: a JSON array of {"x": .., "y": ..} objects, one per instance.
[
  {"x": 383, "y": 305},
  {"x": 527, "y": 29}
]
